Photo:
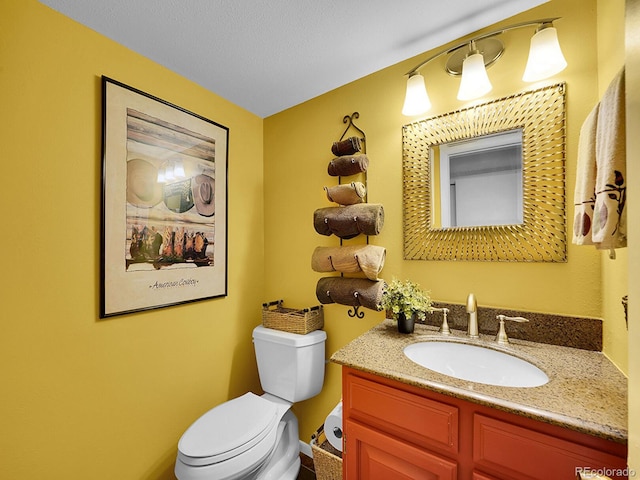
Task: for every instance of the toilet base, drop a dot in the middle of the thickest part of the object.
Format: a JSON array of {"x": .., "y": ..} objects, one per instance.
[{"x": 284, "y": 461}]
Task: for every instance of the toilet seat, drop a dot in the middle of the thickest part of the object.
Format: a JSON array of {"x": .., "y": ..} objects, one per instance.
[{"x": 229, "y": 430}]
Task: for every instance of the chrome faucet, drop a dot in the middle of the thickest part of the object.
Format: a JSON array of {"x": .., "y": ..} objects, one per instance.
[{"x": 472, "y": 310}]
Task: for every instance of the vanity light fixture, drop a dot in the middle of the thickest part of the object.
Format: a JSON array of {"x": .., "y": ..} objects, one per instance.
[
  {"x": 545, "y": 55},
  {"x": 475, "y": 81},
  {"x": 416, "y": 100},
  {"x": 470, "y": 59}
]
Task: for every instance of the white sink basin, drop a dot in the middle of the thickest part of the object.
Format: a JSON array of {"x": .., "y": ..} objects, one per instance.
[{"x": 476, "y": 364}]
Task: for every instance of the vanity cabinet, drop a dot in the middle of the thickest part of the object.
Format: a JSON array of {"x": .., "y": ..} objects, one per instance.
[{"x": 396, "y": 431}]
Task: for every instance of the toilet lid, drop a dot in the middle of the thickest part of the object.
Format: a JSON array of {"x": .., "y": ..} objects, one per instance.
[{"x": 230, "y": 428}]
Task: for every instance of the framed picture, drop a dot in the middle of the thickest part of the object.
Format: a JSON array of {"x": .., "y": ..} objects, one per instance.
[{"x": 164, "y": 203}]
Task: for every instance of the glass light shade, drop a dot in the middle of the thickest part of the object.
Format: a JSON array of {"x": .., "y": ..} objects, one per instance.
[
  {"x": 475, "y": 81},
  {"x": 416, "y": 100},
  {"x": 545, "y": 56}
]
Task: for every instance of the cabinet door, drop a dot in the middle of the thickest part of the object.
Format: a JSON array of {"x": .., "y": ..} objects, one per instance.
[
  {"x": 413, "y": 418},
  {"x": 375, "y": 456},
  {"x": 511, "y": 451}
]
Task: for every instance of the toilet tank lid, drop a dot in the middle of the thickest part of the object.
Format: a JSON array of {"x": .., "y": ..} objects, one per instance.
[{"x": 287, "y": 338}]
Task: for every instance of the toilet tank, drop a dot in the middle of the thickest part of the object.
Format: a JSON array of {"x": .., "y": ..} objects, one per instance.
[{"x": 290, "y": 366}]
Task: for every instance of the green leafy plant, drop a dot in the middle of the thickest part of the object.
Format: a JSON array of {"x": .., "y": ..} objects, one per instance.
[{"x": 406, "y": 297}]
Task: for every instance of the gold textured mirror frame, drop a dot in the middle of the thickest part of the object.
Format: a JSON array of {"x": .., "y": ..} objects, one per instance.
[{"x": 542, "y": 235}]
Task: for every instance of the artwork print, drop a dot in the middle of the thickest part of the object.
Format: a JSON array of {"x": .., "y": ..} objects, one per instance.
[{"x": 164, "y": 203}]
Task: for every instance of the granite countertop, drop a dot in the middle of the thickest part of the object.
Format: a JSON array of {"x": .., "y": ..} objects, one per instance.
[{"x": 585, "y": 392}]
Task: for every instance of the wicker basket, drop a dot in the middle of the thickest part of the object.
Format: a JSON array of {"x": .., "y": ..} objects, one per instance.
[
  {"x": 327, "y": 461},
  {"x": 275, "y": 316}
]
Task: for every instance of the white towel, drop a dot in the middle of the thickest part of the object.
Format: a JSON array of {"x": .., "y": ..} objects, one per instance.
[
  {"x": 600, "y": 193},
  {"x": 584, "y": 198},
  {"x": 609, "y": 217}
]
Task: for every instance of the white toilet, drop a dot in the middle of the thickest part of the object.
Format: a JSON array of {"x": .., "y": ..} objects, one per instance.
[{"x": 256, "y": 437}]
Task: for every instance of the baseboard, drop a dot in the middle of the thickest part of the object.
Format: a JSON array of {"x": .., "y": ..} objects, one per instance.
[{"x": 305, "y": 448}]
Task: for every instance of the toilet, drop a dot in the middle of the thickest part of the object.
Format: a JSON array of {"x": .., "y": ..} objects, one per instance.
[{"x": 256, "y": 436}]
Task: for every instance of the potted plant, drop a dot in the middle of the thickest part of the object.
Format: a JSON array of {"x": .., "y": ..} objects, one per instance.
[{"x": 407, "y": 302}]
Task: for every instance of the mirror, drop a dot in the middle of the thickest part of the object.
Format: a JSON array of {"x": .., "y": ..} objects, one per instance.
[
  {"x": 487, "y": 182},
  {"x": 477, "y": 181}
]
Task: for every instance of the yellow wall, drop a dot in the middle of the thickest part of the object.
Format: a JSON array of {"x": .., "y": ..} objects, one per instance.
[
  {"x": 297, "y": 151},
  {"x": 632, "y": 42},
  {"x": 84, "y": 398},
  {"x": 107, "y": 399}
]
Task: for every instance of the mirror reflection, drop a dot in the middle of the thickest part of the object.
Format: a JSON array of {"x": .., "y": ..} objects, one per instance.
[{"x": 478, "y": 181}]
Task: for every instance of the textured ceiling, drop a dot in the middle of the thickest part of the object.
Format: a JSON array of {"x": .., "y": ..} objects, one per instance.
[{"x": 267, "y": 56}]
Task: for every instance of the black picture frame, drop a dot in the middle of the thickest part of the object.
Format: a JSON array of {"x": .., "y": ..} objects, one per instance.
[{"x": 164, "y": 203}]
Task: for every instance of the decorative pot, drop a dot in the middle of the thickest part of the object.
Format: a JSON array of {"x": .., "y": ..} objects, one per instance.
[{"x": 406, "y": 324}]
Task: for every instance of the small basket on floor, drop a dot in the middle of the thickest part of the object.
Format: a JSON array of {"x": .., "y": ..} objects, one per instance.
[
  {"x": 327, "y": 461},
  {"x": 275, "y": 316}
]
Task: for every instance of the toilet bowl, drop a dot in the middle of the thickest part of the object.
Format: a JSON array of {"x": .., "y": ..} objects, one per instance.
[
  {"x": 256, "y": 437},
  {"x": 238, "y": 439}
]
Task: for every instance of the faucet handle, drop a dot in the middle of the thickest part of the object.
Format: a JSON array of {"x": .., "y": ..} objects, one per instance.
[
  {"x": 502, "y": 334},
  {"x": 513, "y": 319},
  {"x": 444, "y": 328}
]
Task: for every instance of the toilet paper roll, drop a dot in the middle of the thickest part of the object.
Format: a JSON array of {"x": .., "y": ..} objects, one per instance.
[{"x": 333, "y": 427}]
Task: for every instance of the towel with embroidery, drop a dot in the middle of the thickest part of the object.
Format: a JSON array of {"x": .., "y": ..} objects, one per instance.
[{"x": 602, "y": 163}]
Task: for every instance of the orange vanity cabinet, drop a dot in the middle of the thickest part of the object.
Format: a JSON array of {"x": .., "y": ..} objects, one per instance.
[{"x": 396, "y": 431}]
